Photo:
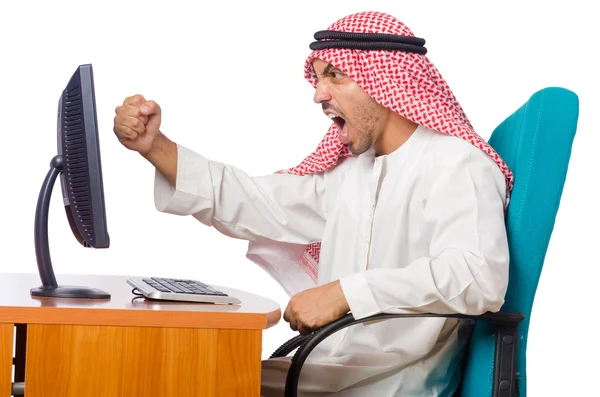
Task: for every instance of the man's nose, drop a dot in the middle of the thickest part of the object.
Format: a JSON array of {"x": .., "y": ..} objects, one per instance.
[{"x": 322, "y": 93}]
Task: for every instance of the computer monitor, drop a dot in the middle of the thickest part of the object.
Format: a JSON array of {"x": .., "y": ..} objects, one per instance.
[{"x": 79, "y": 166}]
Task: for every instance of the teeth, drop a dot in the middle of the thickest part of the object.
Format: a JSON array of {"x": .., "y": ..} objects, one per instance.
[{"x": 331, "y": 116}]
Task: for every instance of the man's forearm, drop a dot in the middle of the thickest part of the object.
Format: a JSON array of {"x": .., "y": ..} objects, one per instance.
[{"x": 163, "y": 157}]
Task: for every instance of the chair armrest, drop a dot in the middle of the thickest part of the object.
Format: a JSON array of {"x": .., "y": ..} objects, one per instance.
[
  {"x": 289, "y": 346},
  {"x": 504, "y": 362}
]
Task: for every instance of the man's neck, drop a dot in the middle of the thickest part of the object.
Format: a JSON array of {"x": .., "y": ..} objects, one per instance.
[{"x": 396, "y": 132}]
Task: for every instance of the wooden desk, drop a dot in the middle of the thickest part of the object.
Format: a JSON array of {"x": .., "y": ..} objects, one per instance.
[{"x": 127, "y": 346}]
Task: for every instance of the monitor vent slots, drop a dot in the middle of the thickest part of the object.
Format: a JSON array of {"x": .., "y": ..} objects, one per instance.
[{"x": 74, "y": 156}]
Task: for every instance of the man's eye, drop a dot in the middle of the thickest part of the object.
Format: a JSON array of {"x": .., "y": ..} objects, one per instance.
[{"x": 337, "y": 75}]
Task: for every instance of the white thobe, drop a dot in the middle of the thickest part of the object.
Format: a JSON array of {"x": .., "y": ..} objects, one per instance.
[{"x": 419, "y": 230}]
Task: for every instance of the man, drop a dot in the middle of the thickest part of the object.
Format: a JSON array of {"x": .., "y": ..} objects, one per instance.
[{"x": 400, "y": 209}]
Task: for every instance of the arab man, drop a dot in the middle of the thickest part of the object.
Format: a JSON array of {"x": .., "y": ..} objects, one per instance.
[{"x": 400, "y": 209}]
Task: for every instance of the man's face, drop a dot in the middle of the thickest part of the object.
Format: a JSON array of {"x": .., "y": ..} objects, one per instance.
[{"x": 359, "y": 118}]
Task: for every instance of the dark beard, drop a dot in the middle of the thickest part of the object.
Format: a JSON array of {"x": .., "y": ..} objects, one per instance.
[
  {"x": 367, "y": 122},
  {"x": 365, "y": 141}
]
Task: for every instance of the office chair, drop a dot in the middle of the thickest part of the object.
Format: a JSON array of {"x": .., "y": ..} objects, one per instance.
[{"x": 535, "y": 141}]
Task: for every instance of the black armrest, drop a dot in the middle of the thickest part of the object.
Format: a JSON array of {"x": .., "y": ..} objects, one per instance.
[
  {"x": 505, "y": 379},
  {"x": 289, "y": 346}
]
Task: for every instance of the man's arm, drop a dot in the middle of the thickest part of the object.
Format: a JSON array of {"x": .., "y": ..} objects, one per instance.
[
  {"x": 467, "y": 269},
  {"x": 281, "y": 207}
]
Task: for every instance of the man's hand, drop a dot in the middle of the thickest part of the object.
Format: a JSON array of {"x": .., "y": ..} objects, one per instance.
[
  {"x": 137, "y": 124},
  {"x": 316, "y": 307}
]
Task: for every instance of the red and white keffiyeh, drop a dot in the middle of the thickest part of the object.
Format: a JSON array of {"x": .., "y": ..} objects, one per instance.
[{"x": 404, "y": 82}]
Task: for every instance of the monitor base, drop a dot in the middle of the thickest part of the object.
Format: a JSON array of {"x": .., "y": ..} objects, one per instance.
[{"x": 63, "y": 291}]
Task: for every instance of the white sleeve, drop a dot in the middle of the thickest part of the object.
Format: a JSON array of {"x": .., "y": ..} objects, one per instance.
[
  {"x": 467, "y": 267},
  {"x": 281, "y": 207}
]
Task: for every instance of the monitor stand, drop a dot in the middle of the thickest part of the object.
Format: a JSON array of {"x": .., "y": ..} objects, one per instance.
[{"x": 49, "y": 287}]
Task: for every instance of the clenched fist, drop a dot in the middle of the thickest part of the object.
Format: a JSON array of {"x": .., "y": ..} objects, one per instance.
[
  {"x": 137, "y": 124},
  {"x": 316, "y": 307}
]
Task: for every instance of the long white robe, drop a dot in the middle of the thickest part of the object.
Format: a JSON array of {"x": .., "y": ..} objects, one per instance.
[{"x": 419, "y": 230}]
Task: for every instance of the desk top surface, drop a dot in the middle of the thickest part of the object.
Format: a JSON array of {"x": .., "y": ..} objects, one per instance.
[{"x": 125, "y": 309}]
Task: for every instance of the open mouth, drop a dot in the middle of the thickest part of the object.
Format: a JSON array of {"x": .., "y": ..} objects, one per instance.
[
  {"x": 340, "y": 122},
  {"x": 342, "y": 127}
]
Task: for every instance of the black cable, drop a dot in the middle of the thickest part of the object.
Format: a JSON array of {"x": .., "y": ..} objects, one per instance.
[{"x": 136, "y": 293}]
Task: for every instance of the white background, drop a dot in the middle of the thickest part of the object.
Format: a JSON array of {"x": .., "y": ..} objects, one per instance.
[{"x": 229, "y": 77}]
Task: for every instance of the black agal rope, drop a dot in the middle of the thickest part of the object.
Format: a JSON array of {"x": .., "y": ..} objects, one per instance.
[{"x": 367, "y": 41}]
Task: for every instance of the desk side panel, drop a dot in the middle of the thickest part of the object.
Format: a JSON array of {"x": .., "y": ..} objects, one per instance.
[
  {"x": 96, "y": 361},
  {"x": 6, "y": 358}
]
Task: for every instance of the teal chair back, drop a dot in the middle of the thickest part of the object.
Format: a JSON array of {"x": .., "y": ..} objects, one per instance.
[{"x": 535, "y": 141}]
